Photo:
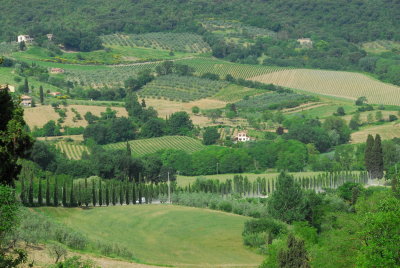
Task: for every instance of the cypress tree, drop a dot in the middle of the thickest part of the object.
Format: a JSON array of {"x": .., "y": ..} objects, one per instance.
[
  {"x": 40, "y": 195},
  {"x": 23, "y": 191},
  {"x": 100, "y": 194},
  {"x": 55, "y": 193},
  {"x": 121, "y": 193},
  {"x": 79, "y": 194},
  {"x": 107, "y": 195},
  {"x": 30, "y": 192},
  {"x": 134, "y": 193},
  {"x": 378, "y": 166},
  {"x": 64, "y": 194},
  {"x": 26, "y": 86},
  {"x": 94, "y": 202},
  {"x": 72, "y": 201},
  {"x": 369, "y": 155},
  {"x": 127, "y": 195},
  {"x": 86, "y": 193},
  {"x": 41, "y": 95},
  {"x": 114, "y": 195},
  {"x": 295, "y": 255},
  {"x": 48, "y": 201}
]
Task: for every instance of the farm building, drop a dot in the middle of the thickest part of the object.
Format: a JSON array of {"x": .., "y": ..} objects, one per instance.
[
  {"x": 305, "y": 42},
  {"x": 8, "y": 87},
  {"x": 55, "y": 94},
  {"x": 242, "y": 136},
  {"x": 57, "y": 70},
  {"x": 24, "y": 38},
  {"x": 26, "y": 101}
]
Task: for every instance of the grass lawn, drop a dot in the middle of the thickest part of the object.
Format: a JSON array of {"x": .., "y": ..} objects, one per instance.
[
  {"x": 185, "y": 180},
  {"x": 165, "y": 234}
]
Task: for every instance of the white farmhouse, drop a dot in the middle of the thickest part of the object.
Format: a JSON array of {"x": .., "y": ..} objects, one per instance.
[
  {"x": 242, "y": 136},
  {"x": 24, "y": 38}
]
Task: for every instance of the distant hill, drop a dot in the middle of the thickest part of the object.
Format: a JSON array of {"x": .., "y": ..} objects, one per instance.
[{"x": 354, "y": 20}]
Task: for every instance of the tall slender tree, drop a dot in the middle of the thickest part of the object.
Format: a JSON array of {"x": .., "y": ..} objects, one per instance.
[
  {"x": 30, "y": 192},
  {"x": 127, "y": 195},
  {"x": 79, "y": 198},
  {"x": 377, "y": 157},
  {"x": 295, "y": 256},
  {"x": 26, "y": 86},
  {"x": 64, "y": 194},
  {"x": 86, "y": 193},
  {"x": 100, "y": 194},
  {"x": 114, "y": 194},
  {"x": 134, "y": 193},
  {"x": 72, "y": 201},
  {"x": 48, "y": 201},
  {"x": 23, "y": 191},
  {"x": 369, "y": 155},
  {"x": 40, "y": 194},
  {"x": 107, "y": 195},
  {"x": 121, "y": 193},
  {"x": 94, "y": 201},
  {"x": 41, "y": 94},
  {"x": 55, "y": 192}
]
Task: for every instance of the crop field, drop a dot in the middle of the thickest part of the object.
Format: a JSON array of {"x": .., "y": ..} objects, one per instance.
[
  {"x": 222, "y": 68},
  {"x": 185, "y": 42},
  {"x": 148, "y": 146},
  {"x": 380, "y": 46},
  {"x": 234, "y": 93},
  {"x": 40, "y": 115},
  {"x": 72, "y": 150},
  {"x": 386, "y": 131},
  {"x": 186, "y": 180},
  {"x": 333, "y": 83},
  {"x": 235, "y": 29},
  {"x": 273, "y": 101},
  {"x": 165, "y": 234},
  {"x": 181, "y": 88}
]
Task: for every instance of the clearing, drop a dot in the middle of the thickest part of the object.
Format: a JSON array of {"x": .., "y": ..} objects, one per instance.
[
  {"x": 334, "y": 83},
  {"x": 387, "y": 132},
  {"x": 165, "y": 234}
]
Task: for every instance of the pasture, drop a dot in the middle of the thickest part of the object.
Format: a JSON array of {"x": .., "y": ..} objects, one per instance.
[
  {"x": 40, "y": 115},
  {"x": 386, "y": 131},
  {"x": 334, "y": 83},
  {"x": 165, "y": 234}
]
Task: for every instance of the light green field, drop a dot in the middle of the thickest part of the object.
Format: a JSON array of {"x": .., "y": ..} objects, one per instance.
[
  {"x": 233, "y": 93},
  {"x": 334, "y": 83},
  {"x": 380, "y": 46},
  {"x": 148, "y": 146},
  {"x": 186, "y": 180},
  {"x": 165, "y": 234},
  {"x": 386, "y": 131},
  {"x": 139, "y": 147}
]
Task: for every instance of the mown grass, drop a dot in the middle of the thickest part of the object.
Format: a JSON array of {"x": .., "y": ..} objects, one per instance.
[{"x": 162, "y": 234}]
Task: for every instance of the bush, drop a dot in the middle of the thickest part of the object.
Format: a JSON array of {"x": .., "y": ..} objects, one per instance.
[{"x": 254, "y": 240}]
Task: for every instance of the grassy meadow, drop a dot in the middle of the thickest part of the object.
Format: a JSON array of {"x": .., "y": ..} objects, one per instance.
[{"x": 165, "y": 234}]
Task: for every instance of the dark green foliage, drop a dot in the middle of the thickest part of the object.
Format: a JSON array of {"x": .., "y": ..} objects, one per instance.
[
  {"x": 127, "y": 195},
  {"x": 14, "y": 140},
  {"x": 40, "y": 193},
  {"x": 23, "y": 192},
  {"x": 377, "y": 158},
  {"x": 100, "y": 194},
  {"x": 86, "y": 193},
  {"x": 72, "y": 199},
  {"x": 340, "y": 111},
  {"x": 25, "y": 88},
  {"x": 179, "y": 123},
  {"x": 295, "y": 256},
  {"x": 347, "y": 192},
  {"x": 267, "y": 227},
  {"x": 210, "y": 136},
  {"x": 94, "y": 200},
  {"x": 369, "y": 157},
  {"x": 55, "y": 193},
  {"x": 287, "y": 201},
  {"x": 107, "y": 195},
  {"x": 64, "y": 194},
  {"x": 30, "y": 192},
  {"x": 114, "y": 194},
  {"x": 48, "y": 201},
  {"x": 41, "y": 95},
  {"x": 155, "y": 127},
  {"x": 121, "y": 193},
  {"x": 134, "y": 193}
]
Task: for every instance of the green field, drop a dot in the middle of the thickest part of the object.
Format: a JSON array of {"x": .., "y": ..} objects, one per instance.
[
  {"x": 186, "y": 180},
  {"x": 139, "y": 147},
  {"x": 334, "y": 83},
  {"x": 181, "y": 88},
  {"x": 165, "y": 234}
]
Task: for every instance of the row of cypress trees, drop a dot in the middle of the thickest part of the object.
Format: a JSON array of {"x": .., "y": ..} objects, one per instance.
[
  {"x": 99, "y": 193},
  {"x": 374, "y": 157}
]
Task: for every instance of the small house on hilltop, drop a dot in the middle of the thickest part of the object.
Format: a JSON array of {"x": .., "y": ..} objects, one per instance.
[
  {"x": 242, "y": 137},
  {"x": 26, "y": 101},
  {"x": 57, "y": 70},
  {"x": 24, "y": 38},
  {"x": 305, "y": 42},
  {"x": 55, "y": 94}
]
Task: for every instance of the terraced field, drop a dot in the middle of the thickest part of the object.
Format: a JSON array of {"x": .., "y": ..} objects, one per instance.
[
  {"x": 333, "y": 83},
  {"x": 185, "y": 42},
  {"x": 72, "y": 150},
  {"x": 181, "y": 88},
  {"x": 148, "y": 146}
]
